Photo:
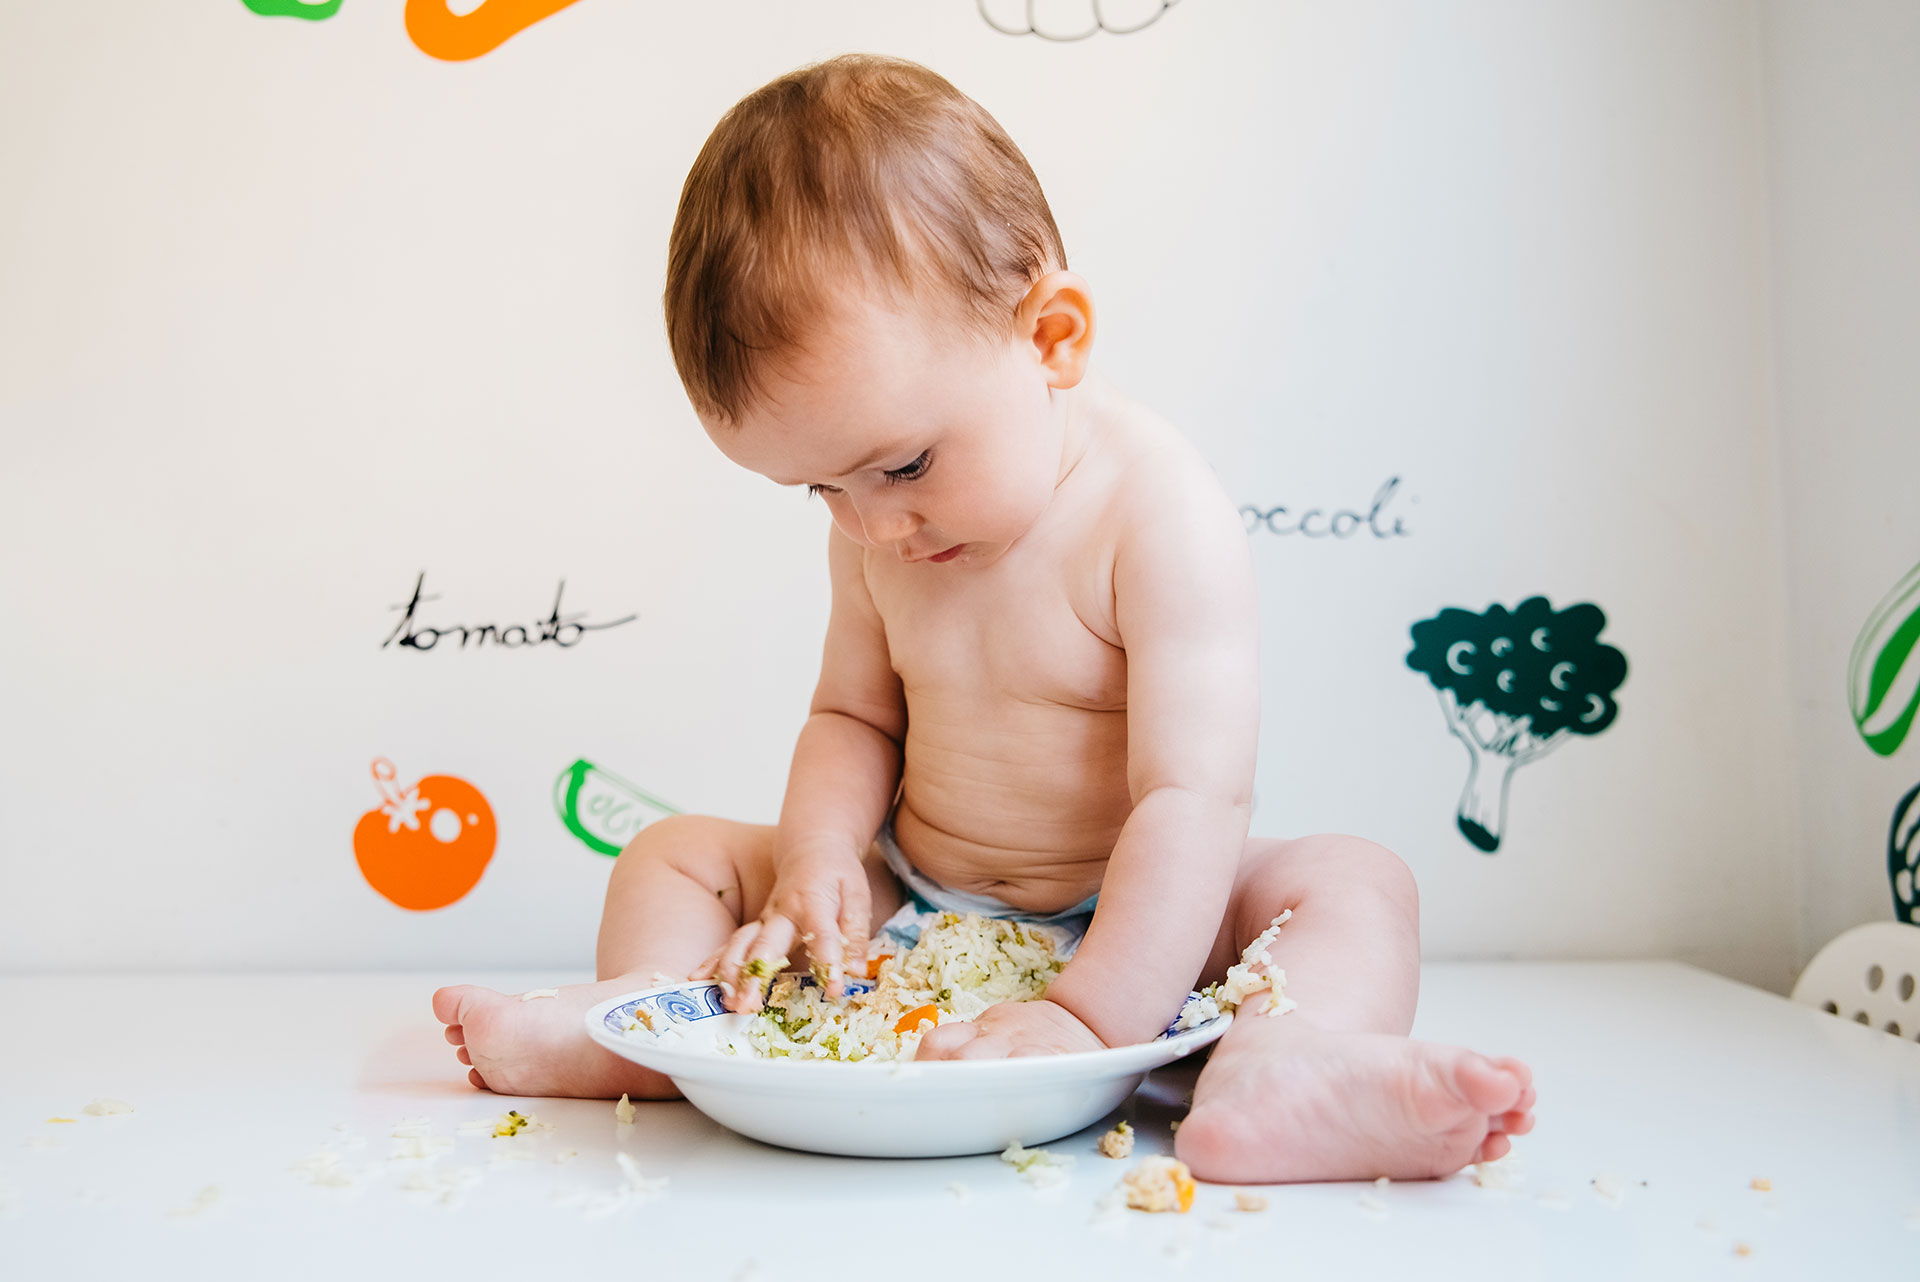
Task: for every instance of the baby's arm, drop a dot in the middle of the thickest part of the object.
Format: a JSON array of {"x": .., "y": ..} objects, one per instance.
[
  {"x": 846, "y": 767},
  {"x": 1186, "y": 606},
  {"x": 1187, "y": 609}
]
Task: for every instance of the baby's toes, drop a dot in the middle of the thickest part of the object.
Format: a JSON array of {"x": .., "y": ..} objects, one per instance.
[
  {"x": 1493, "y": 1148},
  {"x": 473, "y": 1075},
  {"x": 1489, "y": 1087},
  {"x": 456, "y": 1035},
  {"x": 463, "y": 1057},
  {"x": 1517, "y": 1122}
]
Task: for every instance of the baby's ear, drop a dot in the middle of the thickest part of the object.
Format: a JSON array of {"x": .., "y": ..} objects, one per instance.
[{"x": 1056, "y": 316}]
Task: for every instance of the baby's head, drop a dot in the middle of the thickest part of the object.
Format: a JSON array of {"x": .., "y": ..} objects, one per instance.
[{"x": 866, "y": 294}]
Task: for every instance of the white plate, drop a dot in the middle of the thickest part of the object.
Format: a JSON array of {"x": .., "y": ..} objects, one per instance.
[{"x": 893, "y": 1109}]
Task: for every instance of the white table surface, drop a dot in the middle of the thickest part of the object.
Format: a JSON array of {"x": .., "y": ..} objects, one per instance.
[{"x": 1683, "y": 1085}]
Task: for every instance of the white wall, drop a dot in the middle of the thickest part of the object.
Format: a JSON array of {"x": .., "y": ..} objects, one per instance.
[
  {"x": 292, "y": 312},
  {"x": 1843, "y": 95}
]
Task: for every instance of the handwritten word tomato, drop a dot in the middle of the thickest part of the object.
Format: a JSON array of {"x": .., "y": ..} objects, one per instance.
[{"x": 426, "y": 846}]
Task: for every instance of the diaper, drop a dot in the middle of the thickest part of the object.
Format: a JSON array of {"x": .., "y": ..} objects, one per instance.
[{"x": 927, "y": 898}]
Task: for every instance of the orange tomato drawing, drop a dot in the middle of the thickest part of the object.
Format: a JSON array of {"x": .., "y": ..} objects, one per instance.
[{"x": 426, "y": 846}]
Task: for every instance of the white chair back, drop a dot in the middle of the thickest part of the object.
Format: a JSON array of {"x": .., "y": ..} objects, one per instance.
[{"x": 1869, "y": 975}]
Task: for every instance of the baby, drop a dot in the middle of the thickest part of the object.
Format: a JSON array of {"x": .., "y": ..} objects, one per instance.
[{"x": 1039, "y": 691}]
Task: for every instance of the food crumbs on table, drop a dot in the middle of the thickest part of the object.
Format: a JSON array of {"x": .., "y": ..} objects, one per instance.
[
  {"x": 419, "y": 1146},
  {"x": 565, "y": 1155},
  {"x": 1555, "y": 1201},
  {"x": 1760, "y": 1184},
  {"x": 1382, "y": 1182},
  {"x": 1608, "y": 1189},
  {"x": 961, "y": 1192},
  {"x": 623, "y": 1111},
  {"x": 68, "y": 1120},
  {"x": 107, "y": 1108},
  {"x": 533, "y": 993},
  {"x": 1372, "y": 1205},
  {"x": 1174, "y": 1125},
  {"x": 41, "y": 1141},
  {"x": 1249, "y": 1202},
  {"x": 1037, "y": 1166},
  {"x": 203, "y": 1201},
  {"x": 1502, "y": 1174},
  {"x": 511, "y": 1123},
  {"x": 1742, "y": 1250},
  {"x": 1159, "y": 1184},
  {"x": 637, "y": 1184},
  {"x": 1117, "y": 1142}
]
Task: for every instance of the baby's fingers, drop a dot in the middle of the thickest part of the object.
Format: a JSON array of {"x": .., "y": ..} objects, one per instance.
[
  {"x": 856, "y": 916},
  {"x": 947, "y": 1042}
]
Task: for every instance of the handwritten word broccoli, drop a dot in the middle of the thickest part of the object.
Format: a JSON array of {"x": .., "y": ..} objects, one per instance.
[{"x": 1515, "y": 684}]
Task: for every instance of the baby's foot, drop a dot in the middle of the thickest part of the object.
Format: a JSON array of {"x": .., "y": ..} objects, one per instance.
[
  {"x": 1286, "y": 1101},
  {"x": 540, "y": 1047}
]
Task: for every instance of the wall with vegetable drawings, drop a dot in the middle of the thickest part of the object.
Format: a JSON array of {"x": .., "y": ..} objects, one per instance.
[
  {"x": 1844, "y": 88},
  {"x": 342, "y": 443}
]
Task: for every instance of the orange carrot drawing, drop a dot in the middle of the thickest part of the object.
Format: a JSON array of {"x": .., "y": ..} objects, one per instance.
[{"x": 451, "y": 37}]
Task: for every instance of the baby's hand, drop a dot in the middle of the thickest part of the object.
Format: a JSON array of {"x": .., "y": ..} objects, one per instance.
[
  {"x": 1009, "y": 1030},
  {"x": 821, "y": 897}
]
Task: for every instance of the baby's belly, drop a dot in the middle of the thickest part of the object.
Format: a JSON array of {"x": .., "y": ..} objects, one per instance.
[{"x": 1024, "y": 805}]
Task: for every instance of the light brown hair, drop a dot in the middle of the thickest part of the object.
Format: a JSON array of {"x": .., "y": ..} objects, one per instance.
[{"x": 858, "y": 171}]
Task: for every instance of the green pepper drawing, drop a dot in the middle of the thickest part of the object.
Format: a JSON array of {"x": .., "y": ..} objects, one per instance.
[
  {"x": 1515, "y": 685},
  {"x": 603, "y": 810},
  {"x": 1883, "y": 674}
]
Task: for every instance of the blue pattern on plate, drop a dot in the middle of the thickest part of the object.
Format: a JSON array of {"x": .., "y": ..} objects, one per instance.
[{"x": 698, "y": 1000}]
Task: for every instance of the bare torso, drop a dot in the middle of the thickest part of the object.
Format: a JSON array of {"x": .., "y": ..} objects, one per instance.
[{"x": 1015, "y": 776}]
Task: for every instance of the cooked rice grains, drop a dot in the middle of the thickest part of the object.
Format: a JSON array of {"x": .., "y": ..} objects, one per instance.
[{"x": 961, "y": 966}]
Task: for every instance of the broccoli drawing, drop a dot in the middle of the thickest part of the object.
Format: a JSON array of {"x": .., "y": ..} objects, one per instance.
[
  {"x": 1515, "y": 685},
  {"x": 1903, "y": 857}
]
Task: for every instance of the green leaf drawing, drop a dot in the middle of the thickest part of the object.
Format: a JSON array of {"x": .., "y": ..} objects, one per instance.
[
  {"x": 603, "y": 810},
  {"x": 1883, "y": 674},
  {"x": 314, "y": 12},
  {"x": 1514, "y": 685}
]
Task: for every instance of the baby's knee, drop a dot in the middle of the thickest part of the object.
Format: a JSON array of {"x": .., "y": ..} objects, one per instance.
[
  {"x": 674, "y": 840},
  {"x": 1343, "y": 859}
]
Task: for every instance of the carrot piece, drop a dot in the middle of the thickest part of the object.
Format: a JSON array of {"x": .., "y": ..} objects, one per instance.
[
  {"x": 1183, "y": 1186},
  {"x": 873, "y": 964},
  {"x": 911, "y": 1020}
]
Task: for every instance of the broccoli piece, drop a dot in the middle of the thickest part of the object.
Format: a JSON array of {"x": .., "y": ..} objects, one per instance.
[{"x": 1514, "y": 685}]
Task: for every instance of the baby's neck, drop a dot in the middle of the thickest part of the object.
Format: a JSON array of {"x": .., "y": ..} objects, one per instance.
[{"x": 1082, "y": 410}]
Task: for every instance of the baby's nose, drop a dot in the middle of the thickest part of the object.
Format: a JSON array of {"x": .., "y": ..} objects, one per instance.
[{"x": 887, "y": 528}]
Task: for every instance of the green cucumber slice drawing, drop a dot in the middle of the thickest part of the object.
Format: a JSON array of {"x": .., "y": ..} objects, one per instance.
[
  {"x": 603, "y": 810},
  {"x": 1883, "y": 673}
]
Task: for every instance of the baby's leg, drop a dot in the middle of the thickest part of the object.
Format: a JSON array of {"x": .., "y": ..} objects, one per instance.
[
  {"x": 677, "y": 891},
  {"x": 1335, "y": 1090}
]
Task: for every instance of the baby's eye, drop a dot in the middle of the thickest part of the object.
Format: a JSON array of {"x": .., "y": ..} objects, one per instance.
[
  {"x": 912, "y": 471},
  {"x": 821, "y": 489}
]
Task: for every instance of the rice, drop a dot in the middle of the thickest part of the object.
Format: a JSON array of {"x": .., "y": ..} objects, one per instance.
[{"x": 961, "y": 966}]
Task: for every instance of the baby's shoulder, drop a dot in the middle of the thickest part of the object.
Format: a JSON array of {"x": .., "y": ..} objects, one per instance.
[{"x": 1162, "y": 483}]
